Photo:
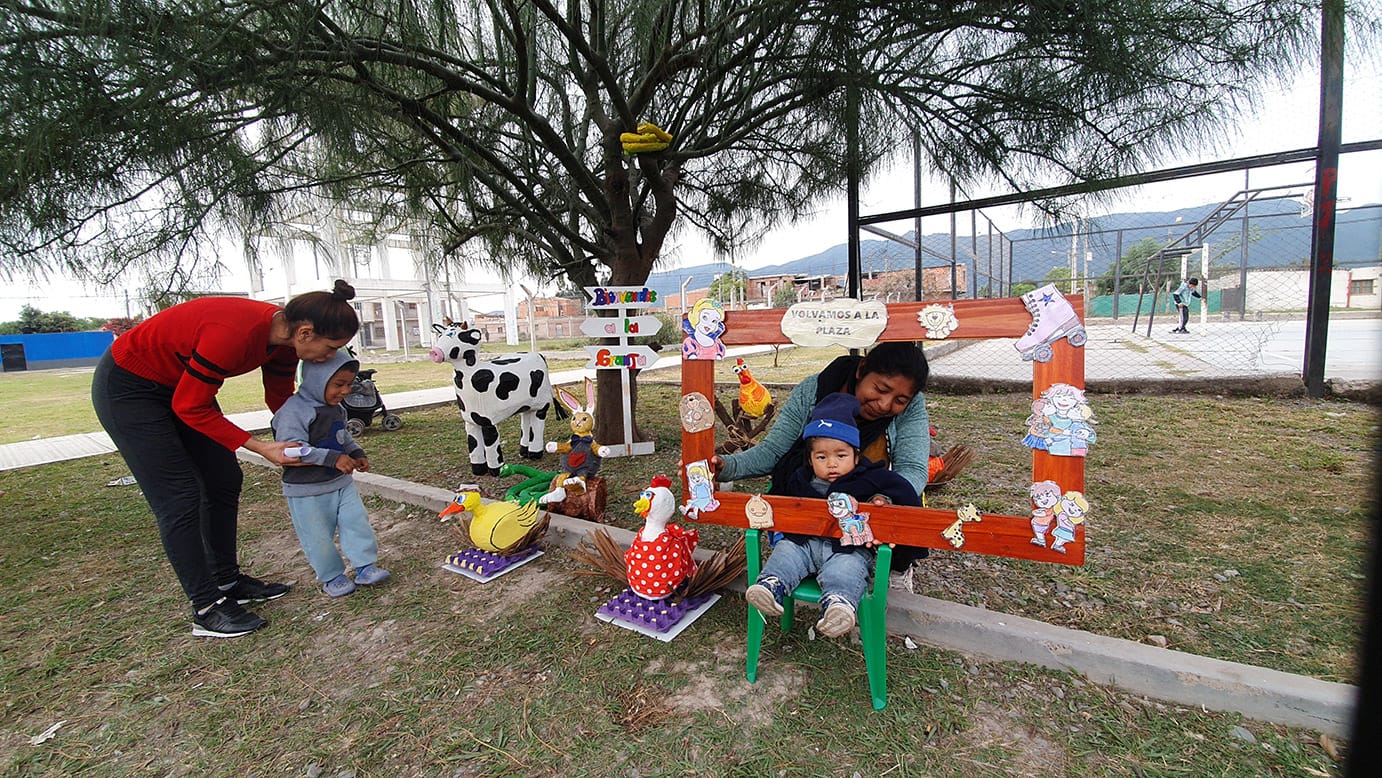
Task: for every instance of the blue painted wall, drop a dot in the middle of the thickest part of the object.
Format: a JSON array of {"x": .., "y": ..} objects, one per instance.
[{"x": 62, "y": 349}]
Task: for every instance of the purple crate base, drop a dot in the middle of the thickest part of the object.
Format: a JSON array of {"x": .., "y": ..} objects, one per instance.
[
  {"x": 656, "y": 615},
  {"x": 486, "y": 564}
]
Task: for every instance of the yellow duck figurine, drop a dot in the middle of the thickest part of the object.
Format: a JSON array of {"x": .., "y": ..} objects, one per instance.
[
  {"x": 649, "y": 137},
  {"x": 498, "y": 527},
  {"x": 754, "y": 397}
]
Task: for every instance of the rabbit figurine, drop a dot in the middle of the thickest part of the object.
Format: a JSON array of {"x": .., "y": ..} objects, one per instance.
[{"x": 580, "y": 454}]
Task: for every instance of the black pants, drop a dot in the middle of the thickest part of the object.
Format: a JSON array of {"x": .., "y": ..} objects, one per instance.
[
  {"x": 191, "y": 482},
  {"x": 1184, "y": 315}
]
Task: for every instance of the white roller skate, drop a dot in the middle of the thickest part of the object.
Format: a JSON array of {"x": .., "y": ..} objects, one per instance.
[{"x": 1053, "y": 318}]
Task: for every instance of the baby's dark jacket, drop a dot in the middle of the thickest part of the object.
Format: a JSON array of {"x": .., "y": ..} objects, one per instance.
[{"x": 862, "y": 483}]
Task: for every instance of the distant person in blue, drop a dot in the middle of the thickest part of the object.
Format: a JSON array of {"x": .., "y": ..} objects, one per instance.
[{"x": 1181, "y": 297}]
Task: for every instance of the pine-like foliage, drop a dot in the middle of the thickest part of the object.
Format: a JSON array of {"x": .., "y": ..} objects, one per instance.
[{"x": 131, "y": 128}]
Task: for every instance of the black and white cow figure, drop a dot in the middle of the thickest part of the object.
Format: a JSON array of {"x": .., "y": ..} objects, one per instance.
[{"x": 490, "y": 391}]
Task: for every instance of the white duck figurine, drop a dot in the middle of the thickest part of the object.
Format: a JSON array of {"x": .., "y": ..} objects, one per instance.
[{"x": 660, "y": 558}]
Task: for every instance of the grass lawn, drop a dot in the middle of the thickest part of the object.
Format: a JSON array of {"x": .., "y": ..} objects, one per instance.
[
  {"x": 49, "y": 403},
  {"x": 1234, "y": 528}
]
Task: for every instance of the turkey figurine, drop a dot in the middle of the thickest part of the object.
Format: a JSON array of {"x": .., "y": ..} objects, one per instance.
[
  {"x": 754, "y": 397},
  {"x": 499, "y": 527},
  {"x": 660, "y": 557}
]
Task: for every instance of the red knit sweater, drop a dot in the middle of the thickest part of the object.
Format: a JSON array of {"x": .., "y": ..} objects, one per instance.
[{"x": 193, "y": 347}]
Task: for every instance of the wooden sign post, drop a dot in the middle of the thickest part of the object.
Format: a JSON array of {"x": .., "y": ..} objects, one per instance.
[{"x": 622, "y": 357}]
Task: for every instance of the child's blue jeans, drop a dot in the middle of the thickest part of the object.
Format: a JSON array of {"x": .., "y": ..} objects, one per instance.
[
  {"x": 317, "y": 520},
  {"x": 840, "y": 570}
]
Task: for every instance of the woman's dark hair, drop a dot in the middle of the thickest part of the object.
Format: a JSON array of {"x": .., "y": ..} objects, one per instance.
[
  {"x": 329, "y": 313},
  {"x": 898, "y": 358}
]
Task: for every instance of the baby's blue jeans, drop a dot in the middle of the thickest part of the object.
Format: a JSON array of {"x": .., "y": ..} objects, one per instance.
[{"x": 840, "y": 570}]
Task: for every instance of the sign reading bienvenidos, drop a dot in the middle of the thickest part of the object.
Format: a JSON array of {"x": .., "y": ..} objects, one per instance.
[{"x": 843, "y": 321}]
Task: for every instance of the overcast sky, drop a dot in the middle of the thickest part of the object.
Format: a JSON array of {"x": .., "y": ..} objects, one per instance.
[{"x": 1287, "y": 119}]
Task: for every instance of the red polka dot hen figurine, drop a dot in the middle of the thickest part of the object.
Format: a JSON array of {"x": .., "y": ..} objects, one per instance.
[{"x": 659, "y": 560}]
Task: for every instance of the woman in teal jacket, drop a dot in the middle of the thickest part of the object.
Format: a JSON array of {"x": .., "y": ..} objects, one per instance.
[{"x": 893, "y": 427}]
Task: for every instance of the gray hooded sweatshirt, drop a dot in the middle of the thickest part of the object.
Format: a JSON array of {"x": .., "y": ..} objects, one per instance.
[{"x": 306, "y": 418}]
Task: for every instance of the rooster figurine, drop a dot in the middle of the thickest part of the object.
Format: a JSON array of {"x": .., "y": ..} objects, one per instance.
[
  {"x": 499, "y": 527},
  {"x": 754, "y": 397},
  {"x": 660, "y": 558}
]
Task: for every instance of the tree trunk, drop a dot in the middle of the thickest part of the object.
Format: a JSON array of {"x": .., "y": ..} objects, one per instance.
[{"x": 609, "y": 400}]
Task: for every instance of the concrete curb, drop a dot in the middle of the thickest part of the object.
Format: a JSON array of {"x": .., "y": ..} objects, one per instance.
[{"x": 1174, "y": 676}]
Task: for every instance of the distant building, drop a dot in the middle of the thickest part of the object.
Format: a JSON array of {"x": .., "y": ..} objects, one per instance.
[
  {"x": 396, "y": 297},
  {"x": 894, "y": 286}
]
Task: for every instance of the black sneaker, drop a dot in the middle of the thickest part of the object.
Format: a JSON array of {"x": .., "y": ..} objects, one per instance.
[
  {"x": 225, "y": 619},
  {"x": 247, "y": 589}
]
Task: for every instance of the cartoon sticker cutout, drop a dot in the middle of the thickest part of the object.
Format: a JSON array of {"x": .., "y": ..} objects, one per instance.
[
  {"x": 854, "y": 526},
  {"x": 1045, "y": 496},
  {"x": 696, "y": 413},
  {"x": 938, "y": 321},
  {"x": 969, "y": 512},
  {"x": 700, "y": 490},
  {"x": 1070, "y": 512},
  {"x": 955, "y": 532},
  {"x": 1053, "y": 318},
  {"x": 759, "y": 512},
  {"x": 703, "y": 325},
  {"x": 1062, "y": 423}
]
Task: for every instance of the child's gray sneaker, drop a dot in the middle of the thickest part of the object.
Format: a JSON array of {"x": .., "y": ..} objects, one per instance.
[
  {"x": 339, "y": 586},
  {"x": 766, "y": 595},
  {"x": 369, "y": 575},
  {"x": 837, "y": 617}
]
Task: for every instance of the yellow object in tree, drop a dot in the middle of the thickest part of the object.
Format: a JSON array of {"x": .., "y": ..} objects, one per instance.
[{"x": 649, "y": 137}]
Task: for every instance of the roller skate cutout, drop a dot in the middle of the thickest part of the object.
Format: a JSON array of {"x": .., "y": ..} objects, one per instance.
[{"x": 1053, "y": 318}]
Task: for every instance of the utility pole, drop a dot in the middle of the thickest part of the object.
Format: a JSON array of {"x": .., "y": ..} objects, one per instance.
[{"x": 1326, "y": 192}]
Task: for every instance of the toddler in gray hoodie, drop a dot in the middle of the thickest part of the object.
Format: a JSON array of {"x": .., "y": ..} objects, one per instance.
[{"x": 321, "y": 493}]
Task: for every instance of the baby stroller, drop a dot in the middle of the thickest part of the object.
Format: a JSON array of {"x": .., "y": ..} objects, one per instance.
[{"x": 363, "y": 402}]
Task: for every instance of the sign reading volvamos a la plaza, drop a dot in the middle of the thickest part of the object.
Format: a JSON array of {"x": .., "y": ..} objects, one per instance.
[{"x": 843, "y": 321}]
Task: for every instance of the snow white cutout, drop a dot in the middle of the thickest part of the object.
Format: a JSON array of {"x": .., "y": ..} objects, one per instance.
[
  {"x": 703, "y": 327},
  {"x": 1062, "y": 423}
]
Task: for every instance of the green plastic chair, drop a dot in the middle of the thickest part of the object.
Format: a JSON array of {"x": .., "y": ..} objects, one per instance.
[{"x": 873, "y": 614}]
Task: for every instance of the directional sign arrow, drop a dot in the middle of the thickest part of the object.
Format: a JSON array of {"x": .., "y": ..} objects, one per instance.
[
  {"x": 620, "y": 357},
  {"x": 620, "y": 326}
]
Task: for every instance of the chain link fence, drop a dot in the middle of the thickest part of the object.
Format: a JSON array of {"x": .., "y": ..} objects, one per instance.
[{"x": 1244, "y": 235}]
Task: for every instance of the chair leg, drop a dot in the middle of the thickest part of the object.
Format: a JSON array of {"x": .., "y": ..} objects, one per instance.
[
  {"x": 754, "y": 644},
  {"x": 789, "y": 612},
  {"x": 754, "y": 640},
  {"x": 873, "y": 629},
  {"x": 873, "y": 634}
]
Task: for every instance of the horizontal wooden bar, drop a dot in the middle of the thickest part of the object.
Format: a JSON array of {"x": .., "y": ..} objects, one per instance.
[
  {"x": 1003, "y": 317},
  {"x": 993, "y": 534}
]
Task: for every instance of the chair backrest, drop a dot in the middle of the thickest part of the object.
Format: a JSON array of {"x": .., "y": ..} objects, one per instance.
[{"x": 993, "y": 534}]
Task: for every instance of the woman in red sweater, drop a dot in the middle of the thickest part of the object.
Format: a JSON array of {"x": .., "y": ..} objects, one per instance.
[{"x": 155, "y": 394}]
